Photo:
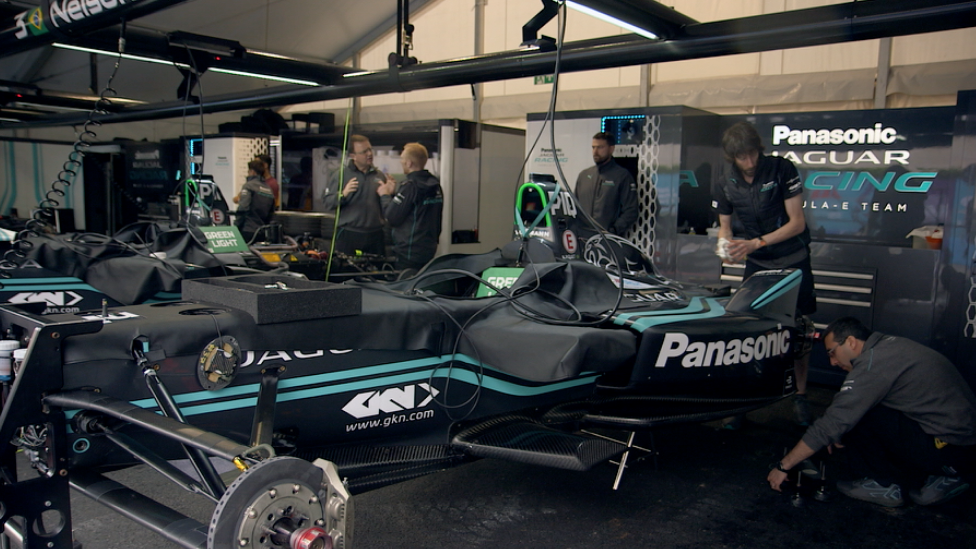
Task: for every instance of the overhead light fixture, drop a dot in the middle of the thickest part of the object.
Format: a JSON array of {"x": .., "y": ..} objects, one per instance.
[
  {"x": 359, "y": 73},
  {"x": 49, "y": 106},
  {"x": 209, "y": 44},
  {"x": 186, "y": 66},
  {"x": 271, "y": 55},
  {"x": 646, "y": 18},
  {"x": 124, "y": 55},
  {"x": 611, "y": 19},
  {"x": 265, "y": 76}
]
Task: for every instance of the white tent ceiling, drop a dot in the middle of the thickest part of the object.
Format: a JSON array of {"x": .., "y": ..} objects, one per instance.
[{"x": 311, "y": 30}]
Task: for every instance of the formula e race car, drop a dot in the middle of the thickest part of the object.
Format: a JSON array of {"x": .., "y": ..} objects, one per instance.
[
  {"x": 147, "y": 262},
  {"x": 288, "y": 396}
]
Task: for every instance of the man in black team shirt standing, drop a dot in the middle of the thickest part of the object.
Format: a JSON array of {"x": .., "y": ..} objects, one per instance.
[{"x": 765, "y": 194}]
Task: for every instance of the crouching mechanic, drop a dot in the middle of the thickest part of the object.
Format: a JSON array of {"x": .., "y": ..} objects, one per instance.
[
  {"x": 904, "y": 414},
  {"x": 413, "y": 209}
]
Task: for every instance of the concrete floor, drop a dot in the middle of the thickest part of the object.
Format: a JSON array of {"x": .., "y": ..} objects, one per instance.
[{"x": 708, "y": 491}]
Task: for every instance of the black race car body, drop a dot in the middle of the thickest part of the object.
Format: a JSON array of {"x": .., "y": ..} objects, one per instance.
[{"x": 377, "y": 383}]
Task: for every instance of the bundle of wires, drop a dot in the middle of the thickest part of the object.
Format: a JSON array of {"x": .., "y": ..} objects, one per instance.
[
  {"x": 40, "y": 222},
  {"x": 514, "y": 299}
]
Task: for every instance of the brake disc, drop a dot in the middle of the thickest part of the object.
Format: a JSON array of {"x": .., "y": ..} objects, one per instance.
[{"x": 282, "y": 502}]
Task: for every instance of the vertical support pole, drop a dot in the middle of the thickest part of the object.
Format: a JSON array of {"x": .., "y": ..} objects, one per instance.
[
  {"x": 479, "y": 48},
  {"x": 93, "y": 73},
  {"x": 884, "y": 68},
  {"x": 645, "y": 86},
  {"x": 110, "y": 213},
  {"x": 357, "y": 102},
  {"x": 446, "y": 145},
  {"x": 399, "y": 31}
]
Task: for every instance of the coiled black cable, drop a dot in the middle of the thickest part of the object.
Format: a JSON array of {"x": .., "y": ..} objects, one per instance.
[{"x": 41, "y": 218}]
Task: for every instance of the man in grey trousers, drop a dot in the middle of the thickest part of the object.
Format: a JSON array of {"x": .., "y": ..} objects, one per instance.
[{"x": 904, "y": 413}]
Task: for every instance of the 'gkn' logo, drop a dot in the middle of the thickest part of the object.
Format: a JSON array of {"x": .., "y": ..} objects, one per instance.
[
  {"x": 54, "y": 299},
  {"x": 394, "y": 399}
]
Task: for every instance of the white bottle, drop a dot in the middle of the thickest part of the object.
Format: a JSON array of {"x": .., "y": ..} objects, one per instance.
[
  {"x": 19, "y": 356},
  {"x": 7, "y": 348}
]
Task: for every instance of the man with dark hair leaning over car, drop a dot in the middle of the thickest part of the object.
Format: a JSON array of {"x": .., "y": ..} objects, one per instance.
[
  {"x": 765, "y": 194},
  {"x": 905, "y": 416}
]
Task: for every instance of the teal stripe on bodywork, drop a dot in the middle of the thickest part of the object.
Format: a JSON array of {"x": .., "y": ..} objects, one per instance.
[
  {"x": 55, "y": 288},
  {"x": 777, "y": 291},
  {"x": 41, "y": 280},
  {"x": 163, "y": 297},
  {"x": 497, "y": 385},
  {"x": 695, "y": 311},
  {"x": 251, "y": 390},
  {"x": 695, "y": 306},
  {"x": 303, "y": 381}
]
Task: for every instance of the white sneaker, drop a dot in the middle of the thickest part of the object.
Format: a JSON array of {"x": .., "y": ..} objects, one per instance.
[{"x": 868, "y": 489}]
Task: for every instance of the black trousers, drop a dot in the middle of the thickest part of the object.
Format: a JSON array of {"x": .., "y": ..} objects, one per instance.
[
  {"x": 889, "y": 447},
  {"x": 354, "y": 241}
]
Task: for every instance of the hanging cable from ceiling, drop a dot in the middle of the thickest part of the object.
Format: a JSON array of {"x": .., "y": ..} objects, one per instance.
[{"x": 42, "y": 218}]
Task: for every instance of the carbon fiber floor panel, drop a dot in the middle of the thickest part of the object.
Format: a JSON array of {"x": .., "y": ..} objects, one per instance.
[{"x": 537, "y": 444}]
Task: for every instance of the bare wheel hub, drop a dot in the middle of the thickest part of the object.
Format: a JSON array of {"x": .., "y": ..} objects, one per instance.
[{"x": 282, "y": 502}]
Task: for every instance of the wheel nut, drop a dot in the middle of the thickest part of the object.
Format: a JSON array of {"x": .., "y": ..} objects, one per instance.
[
  {"x": 295, "y": 488},
  {"x": 273, "y": 493}
]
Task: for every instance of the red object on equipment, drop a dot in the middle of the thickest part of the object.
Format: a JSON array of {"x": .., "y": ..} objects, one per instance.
[{"x": 311, "y": 538}]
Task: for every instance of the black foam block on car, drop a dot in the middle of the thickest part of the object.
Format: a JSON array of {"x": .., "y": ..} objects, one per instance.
[{"x": 271, "y": 299}]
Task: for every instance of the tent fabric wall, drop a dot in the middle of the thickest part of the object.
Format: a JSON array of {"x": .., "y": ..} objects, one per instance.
[
  {"x": 925, "y": 70},
  {"x": 832, "y": 77},
  {"x": 26, "y": 173}
]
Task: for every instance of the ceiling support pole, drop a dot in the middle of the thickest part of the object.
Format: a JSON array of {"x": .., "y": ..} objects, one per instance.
[
  {"x": 884, "y": 69},
  {"x": 478, "y": 89}
]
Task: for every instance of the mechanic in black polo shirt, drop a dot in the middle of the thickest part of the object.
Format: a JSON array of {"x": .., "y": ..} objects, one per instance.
[
  {"x": 765, "y": 194},
  {"x": 414, "y": 210},
  {"x": 607, "y": 191},
  {"x": 255, "y": 203}
]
